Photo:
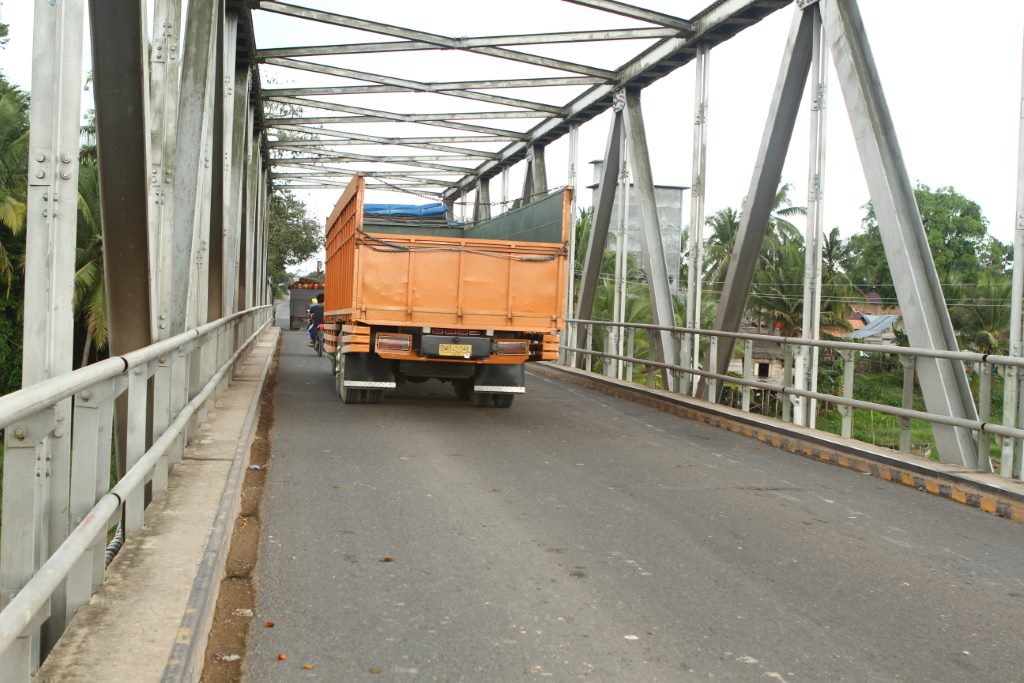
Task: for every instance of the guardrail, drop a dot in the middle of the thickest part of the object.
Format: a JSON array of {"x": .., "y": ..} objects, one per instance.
[
  {"x": 787, "y": 393},
  {"x": 163, "y": 393}
]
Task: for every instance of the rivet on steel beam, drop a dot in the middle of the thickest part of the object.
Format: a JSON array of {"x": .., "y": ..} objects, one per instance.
[
  {"x": 40, "y": 174},
  {"x": 58, "y": 432},
  {"x": 40, "y": 157},
  {"x": 65, "y": 175},
  {"x": 65, "y": 158},
  {"x": 19, "y": 434},
  {"x": 86, "y": 396}
]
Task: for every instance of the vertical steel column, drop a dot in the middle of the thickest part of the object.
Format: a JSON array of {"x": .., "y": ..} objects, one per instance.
[
  {"x": 235, "y": 177},
  {"x": 249, "y": 219},
  {"x": 763, "y": 186},
  {"x": 944, "y": 383},
  {"x": 220, "y": 154},
  {"x": 540, "y": 172},
  {"x": 121, "y": 86},
  {"x": 121, "y": 91},
  {"x": 527, "y": 195},
  {"x": 163, "y": 74},
  {"x": 695, "y": 247},
  {"x": 504, "y": 189},
  {"x": 622, "y": 253},
  {"x": 191, "y": 159},
  {"x": 1013, "y": 385},
  {"x": 650, "y": 233},
  {"x": 621, "y": 258},
  {"x": 37, "y": 467},
  {"x": 570, "y": 289},
  {"x": 601, "y": 218},
  {"x": 482, "y": 209},
  {"x": 807, "y": 358},
  {"x": 264, "y": 247}
]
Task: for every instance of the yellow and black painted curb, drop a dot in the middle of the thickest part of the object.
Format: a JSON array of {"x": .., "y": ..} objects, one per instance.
[{"x": 999, "y": 496}]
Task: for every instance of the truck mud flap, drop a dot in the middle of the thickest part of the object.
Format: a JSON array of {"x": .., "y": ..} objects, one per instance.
[
  {"x": 368, "y": 371},
  {"x": 500, "y": 379}
]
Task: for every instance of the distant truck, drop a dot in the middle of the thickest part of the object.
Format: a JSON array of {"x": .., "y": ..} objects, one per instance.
[
  {"x": 412, "y": 298},
  {"x": 301, "y": 293}
]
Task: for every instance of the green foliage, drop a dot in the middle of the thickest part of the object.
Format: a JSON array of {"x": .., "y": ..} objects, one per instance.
[
  {"x": 980, "y": 311},
  {"x": 13, "y": 174},
  {"x": 89, "y": 303},
  {"x": 957, "y": 235},
  {"x": 294, "y": 235},
  {"x": 13, "y": 185}
]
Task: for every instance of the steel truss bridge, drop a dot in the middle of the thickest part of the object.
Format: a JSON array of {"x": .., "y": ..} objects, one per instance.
[{"x": 195, "y": 131}]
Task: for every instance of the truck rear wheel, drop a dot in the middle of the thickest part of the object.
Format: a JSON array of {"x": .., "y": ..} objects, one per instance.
[
  {"x": 478, "y": 400},
  {"x": 374, "y": 396},
  {"x": 347, "y": 394},
  {"x": 503, "y": 400}
]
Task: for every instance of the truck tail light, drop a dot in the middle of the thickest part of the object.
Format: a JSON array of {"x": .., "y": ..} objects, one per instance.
[
  {"x": 516, "y": 347},
  {"x": 393, "y": 342}
]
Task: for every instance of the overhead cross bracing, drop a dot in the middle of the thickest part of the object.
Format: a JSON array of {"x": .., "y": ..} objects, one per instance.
[{"x": 358, "y": 81}]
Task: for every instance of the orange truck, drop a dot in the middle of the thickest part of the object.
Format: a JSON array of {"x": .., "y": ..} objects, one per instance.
[{"x": 413, "y": 298}]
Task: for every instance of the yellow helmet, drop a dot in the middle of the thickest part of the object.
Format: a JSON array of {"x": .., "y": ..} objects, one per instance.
[{"x": 315, "y": 301}]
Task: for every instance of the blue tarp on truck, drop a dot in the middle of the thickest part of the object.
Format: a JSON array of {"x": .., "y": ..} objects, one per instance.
[{"x": 434, "y": 209}]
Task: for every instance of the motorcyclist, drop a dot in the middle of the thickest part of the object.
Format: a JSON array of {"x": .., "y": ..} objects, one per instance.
[{"x": 316, "y": 317}]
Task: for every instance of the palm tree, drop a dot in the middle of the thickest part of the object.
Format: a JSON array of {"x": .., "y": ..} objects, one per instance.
[
  {"x": 780, "y": 229},
  {"x": 725, "y": 225},
  {"x": 89, "y": 301},
  {"x": 980, "y": 311},
  {"x": 13, "y": 170}
]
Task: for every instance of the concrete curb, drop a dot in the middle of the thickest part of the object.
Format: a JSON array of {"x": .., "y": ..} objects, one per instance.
[
  {"x": 185, "y": 662},
  {"x": 988, "y": 492}
]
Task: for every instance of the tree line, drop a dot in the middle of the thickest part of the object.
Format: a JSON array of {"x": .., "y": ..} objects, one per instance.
[{"x": 974, "y": 269}]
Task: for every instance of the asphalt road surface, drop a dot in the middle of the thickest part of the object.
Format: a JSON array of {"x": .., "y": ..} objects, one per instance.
[{"x": 580, "y": 536}]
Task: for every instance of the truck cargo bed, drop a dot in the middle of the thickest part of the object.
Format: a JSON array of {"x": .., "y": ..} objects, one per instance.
[{"x": 504, "y": 274}]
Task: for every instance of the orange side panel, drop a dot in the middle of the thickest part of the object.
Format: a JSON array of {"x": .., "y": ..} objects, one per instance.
[{"x": 441, "y": 281}]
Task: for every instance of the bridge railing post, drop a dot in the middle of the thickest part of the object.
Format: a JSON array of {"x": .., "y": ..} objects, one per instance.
[
  {"x": 589, "y": 360},
  {"x": 161, "y": 418},
  {"x": 179, "y": 397},
  {"x": 849, "y": 359},
  {"x": 908, "y": 363},
  {"x": 748, "y": 373},
  {"x": 631, "y": 340},
  {"x": 138, "y": 385},
  {"x": 90, "y": 480},
  {"x": 984, "y": 409},
  {"x": 713, "y": 381},
  {"x": 787, "y": 381}
]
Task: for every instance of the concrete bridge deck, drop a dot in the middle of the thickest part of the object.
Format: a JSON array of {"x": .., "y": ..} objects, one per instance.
[{"x": 577, "y": 535}]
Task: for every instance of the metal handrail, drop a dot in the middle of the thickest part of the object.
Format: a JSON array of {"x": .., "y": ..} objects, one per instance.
[
  {"x": 905, "y": 413},
  {"x": 20, "y": 612},
  {"x": 20, "y": 404},
  {"x": 974, "y": 425},
  {"x": 968, "y": 356}
]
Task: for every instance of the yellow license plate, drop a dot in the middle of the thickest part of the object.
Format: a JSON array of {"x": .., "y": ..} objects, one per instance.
[{"x": 460, "y": 350}]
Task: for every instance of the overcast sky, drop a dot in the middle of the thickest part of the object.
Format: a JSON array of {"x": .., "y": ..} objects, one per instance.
[{"x": 950, "y": 69}]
